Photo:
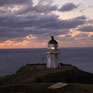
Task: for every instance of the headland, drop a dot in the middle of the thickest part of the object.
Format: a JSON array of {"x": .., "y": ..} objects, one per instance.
[{"x": 35, "y": 78}]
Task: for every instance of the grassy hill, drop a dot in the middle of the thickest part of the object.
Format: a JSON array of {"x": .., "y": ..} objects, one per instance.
[
  {"x": 27, "y": 80},
  {"x": 71, "y": 75},
  {"x": 43, "y": 88}
]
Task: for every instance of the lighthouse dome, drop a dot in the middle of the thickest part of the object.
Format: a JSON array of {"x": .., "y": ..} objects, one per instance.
[{"x": 52, "y": 41}]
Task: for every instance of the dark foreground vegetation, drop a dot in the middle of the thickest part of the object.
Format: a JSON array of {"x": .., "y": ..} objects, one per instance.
[{"x": 28, "y": 80}]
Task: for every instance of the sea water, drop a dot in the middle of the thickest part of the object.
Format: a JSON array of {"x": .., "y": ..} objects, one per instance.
[{"x": 12, "y": 59}]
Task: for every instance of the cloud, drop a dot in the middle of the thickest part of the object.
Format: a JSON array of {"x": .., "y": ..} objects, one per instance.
[
  {"x": 82, "y": 35},
  {"x": 12, "y": 27},
  {"x": 13, "y": 2},
  {"x": 37, "y": 9},
  {"x": 91, "y": 37},
  {"x": 88, "y": 28},
  {"x": 25, "y": 20},
  {"x": 13, "y": 44},
  {"x": 42, "y": 6},
  {"x": 68, "y": 7},
  {"x": 23, "y": 7},
  {"x": 66, "y": 37},
  {"x": 40, "y": 21}
]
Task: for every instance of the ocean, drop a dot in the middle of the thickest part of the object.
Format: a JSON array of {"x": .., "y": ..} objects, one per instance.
[{"x": 12, "y": 59}]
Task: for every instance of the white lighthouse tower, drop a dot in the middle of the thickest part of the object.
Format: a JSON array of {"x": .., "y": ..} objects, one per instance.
[{"x": 52, "y": 54}]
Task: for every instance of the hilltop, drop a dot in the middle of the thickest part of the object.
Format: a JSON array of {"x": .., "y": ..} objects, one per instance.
[{"x": 28, "y": 79}]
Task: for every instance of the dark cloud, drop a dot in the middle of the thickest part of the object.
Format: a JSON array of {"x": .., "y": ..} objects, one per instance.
[
  {"x": 34, "y": 20},
  {"x": 46, "y": 21},
  {"x": 61, "y": 24},
  {"x": 21, "y": 26},
  {"x": 37, "y": 9},
  {"x": 44, "y": 8},
  {"x": 86, "y": 28},
  {"x": 14, "y": 33},
  {"x": 68, "y": 7},
  {"x": 11, "y": 33},
  {"x": 2, "y": 11},
  {"x": 27, "y": 6},
  {"x": 13, "y": 2}
]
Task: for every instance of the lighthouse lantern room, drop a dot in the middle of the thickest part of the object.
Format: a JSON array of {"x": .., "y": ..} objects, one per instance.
[{"x": 52, "y": 54}]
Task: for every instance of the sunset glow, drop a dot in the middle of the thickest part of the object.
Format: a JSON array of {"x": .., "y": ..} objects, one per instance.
[{"x": 30, "y": 23}]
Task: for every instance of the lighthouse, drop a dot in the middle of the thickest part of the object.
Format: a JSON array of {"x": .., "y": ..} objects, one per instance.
[{"x": 52, "y": 54}]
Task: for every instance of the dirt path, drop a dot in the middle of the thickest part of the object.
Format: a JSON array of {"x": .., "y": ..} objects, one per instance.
[{"x": 23, "y": 78}]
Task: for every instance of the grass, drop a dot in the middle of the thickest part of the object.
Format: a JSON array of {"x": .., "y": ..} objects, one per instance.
[
  {"x": 43, "y": 88},
  {"x": 41, "y": 80},
  {"x": 46, "y": 72},
  {"x": 66, "y": 74},
  {"x": 6, "y": 79},
  {"x": 71, "y": 75},
  {"x": 77, "y": 88}
]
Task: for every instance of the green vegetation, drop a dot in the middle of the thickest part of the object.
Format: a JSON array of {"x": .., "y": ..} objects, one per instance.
[
  {"x": 40, "y": 79},
  {"x": 70, "y": 76},
  {"x": 46, "y": 72},
  {"x": 43, "y": 88},
  {"x": 9, "y": 78}
]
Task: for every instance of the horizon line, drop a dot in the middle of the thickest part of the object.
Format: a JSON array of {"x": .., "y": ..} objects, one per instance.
[{"x": 44, "y": 48}]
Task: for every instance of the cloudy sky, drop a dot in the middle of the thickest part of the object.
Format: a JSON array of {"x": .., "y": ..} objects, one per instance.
[{"x": 30, "y": 23}]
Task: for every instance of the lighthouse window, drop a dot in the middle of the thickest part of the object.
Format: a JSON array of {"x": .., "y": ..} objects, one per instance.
[{"x": 53, "y": 48}]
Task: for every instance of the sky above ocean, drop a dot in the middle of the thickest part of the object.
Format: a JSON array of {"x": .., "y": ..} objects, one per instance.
[{"x": 30, "y": 23}]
